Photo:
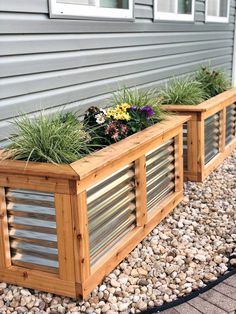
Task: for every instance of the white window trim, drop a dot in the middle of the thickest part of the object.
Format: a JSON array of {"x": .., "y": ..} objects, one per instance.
[
  {"x": 174, "y": 16},
  {"x": 217, "y": 19},
  {"x": 64, "y": 10}
]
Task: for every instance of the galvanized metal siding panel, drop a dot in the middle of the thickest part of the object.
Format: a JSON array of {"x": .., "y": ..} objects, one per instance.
[
  {"x": 32, "y": 229},
  {"x": 48, "y": 63},
  {"x": 230, "y": 131},
  {"x": 111, "y": 211},
  {"x": 160, "y": 164},
  {"x": 212, "y": 136}
]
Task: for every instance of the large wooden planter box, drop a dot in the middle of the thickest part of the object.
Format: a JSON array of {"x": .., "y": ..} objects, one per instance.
[
  {"x": 210, "y": 134},
  {"x": 63, "y": 228}
]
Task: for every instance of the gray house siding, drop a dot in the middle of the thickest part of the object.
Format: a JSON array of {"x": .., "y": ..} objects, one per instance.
[{"x": 49, "y": 63}]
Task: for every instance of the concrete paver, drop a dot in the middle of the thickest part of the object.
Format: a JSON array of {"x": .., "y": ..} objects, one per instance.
[
  {"x": 226, "y": 290},
  {"x": 206, "y": 307},
  {"x": 219, "y": 300}
]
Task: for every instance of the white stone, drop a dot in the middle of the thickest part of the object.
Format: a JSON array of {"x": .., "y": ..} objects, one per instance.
[
  {"x": 102, "y": 288},
  {"x": 200, "y": 257},
  {"x": 3, "y": 285}
]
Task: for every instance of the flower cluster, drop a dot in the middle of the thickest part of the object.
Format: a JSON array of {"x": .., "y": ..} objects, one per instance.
[
  {"x": 119, "y": 112},
  {"x": 117, "y": 122},
  {"x": 116, "y": 130},
  {"x": 101, "y": 116}
]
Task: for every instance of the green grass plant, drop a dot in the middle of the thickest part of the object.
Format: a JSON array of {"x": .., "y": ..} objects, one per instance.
[
  {"x": 57, "y": 138},
  {"x": 140, "y": 98},
  {"x": 213, "y": 82},
  {"x": 183, "y": 91}
]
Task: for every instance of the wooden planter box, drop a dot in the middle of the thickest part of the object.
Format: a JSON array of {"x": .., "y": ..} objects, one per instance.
[
  {"x": 64, "y": 227},
  {"x": 210, "y": 134}
]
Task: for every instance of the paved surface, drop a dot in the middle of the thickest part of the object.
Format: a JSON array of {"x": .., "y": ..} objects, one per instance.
[{"x": 219, "y": 300}]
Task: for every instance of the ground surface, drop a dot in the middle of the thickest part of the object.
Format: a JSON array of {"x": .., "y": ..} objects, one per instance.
[
  {"x": 188, "y": 249},
  {"x": 219, "y": 300}
]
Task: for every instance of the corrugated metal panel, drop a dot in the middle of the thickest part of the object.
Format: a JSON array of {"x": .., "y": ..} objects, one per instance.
[
  {"x": 212, "y": 132},
  {"x": 111, "y": 211},
  {"x": 160, "y": 174},
  {"x": 54, "y": 62},
  {"x": 230, "y": 123},
  {"x": 185, "y": 145},
  {"x": 32, "y": 229}
]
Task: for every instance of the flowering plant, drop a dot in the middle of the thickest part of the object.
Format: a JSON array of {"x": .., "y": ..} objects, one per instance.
[
  {"x": 121, "y": 120},
  {"x": 108, "y": 126}
]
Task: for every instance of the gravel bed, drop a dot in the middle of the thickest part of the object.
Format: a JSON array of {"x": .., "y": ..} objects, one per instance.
[{"x": 188, "y": 249}]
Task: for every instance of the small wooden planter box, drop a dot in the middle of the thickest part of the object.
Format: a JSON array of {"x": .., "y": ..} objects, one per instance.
[
  {"x": 210, "y": 134},
  {"x": 64, "y": 227}
]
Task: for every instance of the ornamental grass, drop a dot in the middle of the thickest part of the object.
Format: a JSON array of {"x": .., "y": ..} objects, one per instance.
[
  {"x": 213, "y": 82},
  {"x": 52, "y": 139},
  {"x": 183, "y": 91}
]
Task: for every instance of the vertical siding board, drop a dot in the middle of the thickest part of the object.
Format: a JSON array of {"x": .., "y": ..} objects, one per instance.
[{"x": 48, "y": 63}]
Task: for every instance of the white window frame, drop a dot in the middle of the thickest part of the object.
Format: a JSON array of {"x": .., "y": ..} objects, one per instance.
[
  {"x": 64, "y": 10},
  {"x": 217, "y": 19},
  {"x": 174, "y": 16}
]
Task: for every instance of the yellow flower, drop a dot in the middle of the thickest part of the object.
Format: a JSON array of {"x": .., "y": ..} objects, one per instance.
[
  {"x": 125, "y": 106},
  {"x": 119, "y": 112}
]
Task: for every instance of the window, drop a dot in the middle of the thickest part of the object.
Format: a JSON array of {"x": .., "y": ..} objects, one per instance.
[
  {"x": 177, "y": 10},
  {"x": 217, "y": 11},
  {"x": 92, "y": 8}
]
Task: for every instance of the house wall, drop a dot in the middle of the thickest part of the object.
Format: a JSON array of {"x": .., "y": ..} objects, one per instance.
[{"x": 49, "y": 63}]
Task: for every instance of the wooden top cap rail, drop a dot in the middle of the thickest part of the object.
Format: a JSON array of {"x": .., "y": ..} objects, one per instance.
[
  {"x": 127, "y": 148},
  {"x": 37, "y": 169},
  {"x": 224, "y": 99},
  {"x": 85, "y": 166}
]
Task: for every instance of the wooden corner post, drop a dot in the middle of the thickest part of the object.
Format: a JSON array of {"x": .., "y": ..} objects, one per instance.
[
  {"x": 192, "y": 148},
  {"x": 81, "y": 241},
  {"x": 200, "y": 134},
  {"x": 222, "y": 134},
  {"x": 141, "y": 191},
  {"x": 178, "y": 152},
  {"x": 64, "y": 222},
  {"x": 5, "y": 254}
]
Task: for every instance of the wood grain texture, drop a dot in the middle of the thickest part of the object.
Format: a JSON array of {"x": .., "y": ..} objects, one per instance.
[
  {"x": 209, "y": 106},
  {"x": 37, "y": 169},
  {"x": 5, "y": 255},
  {"x": 64, "y": 222},
  {"x": 37, "y": 183},
  {"x": 222, "y": 130},
  {"x": 141, "y": 191},
  {"x": 37, "y": 279},
  {"x": 179, "y": 162},
  {"x": 81, "y": 237}
]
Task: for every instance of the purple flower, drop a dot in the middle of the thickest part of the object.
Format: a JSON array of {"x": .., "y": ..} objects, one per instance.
[
  {"x": 148, "y": 111},
  {"x": 133, "y": 108}
]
